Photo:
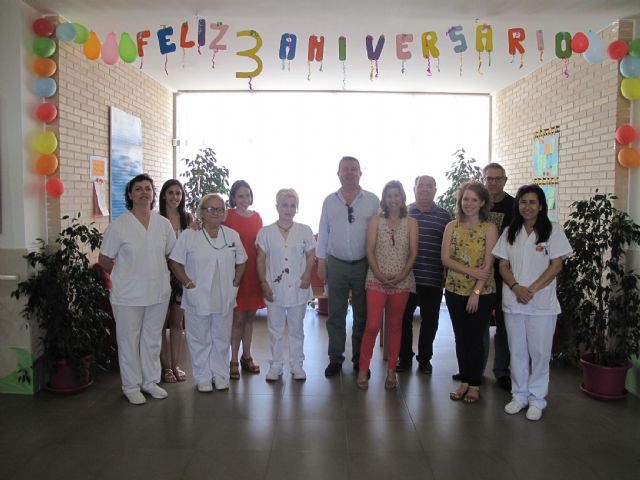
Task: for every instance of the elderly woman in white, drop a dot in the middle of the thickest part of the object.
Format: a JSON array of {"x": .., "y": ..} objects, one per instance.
[
  {"x": 286, "y": 252},
  {"x": 209, "y": 263}
]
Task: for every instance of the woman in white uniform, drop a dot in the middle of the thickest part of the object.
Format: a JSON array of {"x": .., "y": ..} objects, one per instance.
[
  {"x": 286, "y": 252},
  {"x": 530, "y": 252},
  {"x": 209, "y": 263},
  {"x": 134, "y": 251}
]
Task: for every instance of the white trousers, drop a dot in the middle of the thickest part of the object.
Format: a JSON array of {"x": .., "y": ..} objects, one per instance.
[
  {"x": 293, "y": 318},
  {"x": 139, "y": 334},
  {"x": 530, "y": 338},
  {"x": 209, "y": 341}
]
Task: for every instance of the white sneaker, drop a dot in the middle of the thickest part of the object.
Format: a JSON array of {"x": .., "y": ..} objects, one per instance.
[
  {"x": 273, "y": 375},
  {"x": 156, "y": 392},
  {"x": 513, "y": 407},
  {"x": 299, "y": 374},
  {"x": 205, "y": 387},
  {"x": 136, "y": 398},
  {"x": 534, "y": 413},
  {"x": 221, "y": 383}
]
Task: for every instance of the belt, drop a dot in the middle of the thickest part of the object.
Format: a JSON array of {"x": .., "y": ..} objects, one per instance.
[{"x": 349, "y": 262}]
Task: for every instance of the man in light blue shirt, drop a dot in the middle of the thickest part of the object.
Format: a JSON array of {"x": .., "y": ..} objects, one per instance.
[{"x": 342, "y": 261}]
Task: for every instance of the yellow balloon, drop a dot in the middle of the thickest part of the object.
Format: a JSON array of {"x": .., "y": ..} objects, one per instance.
[
  {"x": 45, "y": 142},
  {"x": 630, "y": 88},
  {"x": 92, "y": 47}
]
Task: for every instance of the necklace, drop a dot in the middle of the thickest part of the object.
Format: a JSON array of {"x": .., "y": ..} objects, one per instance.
[
  {"x": 224, "y": 238},
  {"x": 285, "y": 230}
]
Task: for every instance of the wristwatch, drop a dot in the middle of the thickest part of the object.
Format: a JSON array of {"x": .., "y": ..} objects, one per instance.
[{"x": 477, "y": 291}]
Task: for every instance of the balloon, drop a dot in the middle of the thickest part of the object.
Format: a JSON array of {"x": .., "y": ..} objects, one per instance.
[
  {"x": 46, "y": 164},
  {"x": 82, "y": 34},
  {"x": 45, "y": 142},
  {"x": 110, "y": 49},
  {"x": 595, "y": 52},
  {"x": 563, "y": 45},
  {"x": 43, "y": 46},
  {"x": 634, "y": 48},
  {"x": 45, "y": 87},
  {"x": 617, "y": 49},
  {"x": 374, "y": 53},
  {"x": 579, "y": 43},
  {"x": 342, "y": 48},
  {"x": 43, "y": 67},
  {"x": 127, "y": 48},
  {"x": 630, "y": 66},
  {"x": 629, "y": 157},
  {"x": 43, "y": 27},
  {"x": 625, "y": 134},
  {"x": 630, "y": 88},
  {"x": 54, "y": 187},
  {"x": 47, "y": 112},
  {"x": 92, "y": 47},
  {"x": 66, "y": 32}
]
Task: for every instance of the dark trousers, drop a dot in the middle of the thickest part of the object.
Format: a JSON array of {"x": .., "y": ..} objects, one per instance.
[
  {"x": 502, "y": 356},
  {"x": 469, "y": 329},
  {"x": 428, "y": 299}
]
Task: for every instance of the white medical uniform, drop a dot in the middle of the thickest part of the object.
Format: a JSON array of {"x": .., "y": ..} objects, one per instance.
[
  {"x": 530, "y": 327},
  {"x": 210, "y": 263},
  {"x": 140, "y": 294},
  {"x": 285, "y": 264}
]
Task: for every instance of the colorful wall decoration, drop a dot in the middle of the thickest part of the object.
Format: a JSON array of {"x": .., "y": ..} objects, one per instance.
[{"x": 545, "y": 165}]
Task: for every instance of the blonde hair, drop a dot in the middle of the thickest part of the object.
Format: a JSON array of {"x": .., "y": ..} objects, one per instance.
[
  {"x": 208, "y": 197},
  {"x": 287, "y": 192}
]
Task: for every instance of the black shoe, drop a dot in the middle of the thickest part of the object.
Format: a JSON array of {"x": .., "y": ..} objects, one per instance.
[
  {"x": 426, "y": 368},
  {"x": 457, "y": 376},
  {"x": 356, "y": 369},
  {"x": 504, "y": 383},
  {"x": 333, "y": 369},
  {"x": 403, "y": 366}
]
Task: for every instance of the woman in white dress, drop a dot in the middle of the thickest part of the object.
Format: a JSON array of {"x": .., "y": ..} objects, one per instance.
[
  {"x": 209, "y": 263},
  {"x": 286, "y": 252}
]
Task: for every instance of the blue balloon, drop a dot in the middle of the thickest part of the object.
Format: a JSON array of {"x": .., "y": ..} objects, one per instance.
[
  {"x": 66, "y": 32},
  {"x": 630, "y": 66},
  {"x": 596, "y": 52},
  {"x": 45, "y": 87}
]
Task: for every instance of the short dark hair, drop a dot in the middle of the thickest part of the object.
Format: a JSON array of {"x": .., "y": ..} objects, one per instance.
[
  {"x": 494, "y": 165},
  {"x": 184, "y": 222},
  {"x": 237, "y": 185},
  {"x": 348, "y": 159},
  {"x": 137, "y": 179}
]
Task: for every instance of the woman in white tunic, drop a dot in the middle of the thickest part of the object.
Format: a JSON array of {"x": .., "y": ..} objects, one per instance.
[
  {"x": 530, "y": 252},
  {"x": 133, "y": 251},
  {"x": 209, "y": 263},
  {"x": 286, "y": 252}
]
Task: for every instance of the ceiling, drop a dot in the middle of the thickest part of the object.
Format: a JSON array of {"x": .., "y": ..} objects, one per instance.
[{"x": 459, "y": 73}]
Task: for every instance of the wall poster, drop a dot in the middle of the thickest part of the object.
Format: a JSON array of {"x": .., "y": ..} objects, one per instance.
[{"x": 546, "y": 154}]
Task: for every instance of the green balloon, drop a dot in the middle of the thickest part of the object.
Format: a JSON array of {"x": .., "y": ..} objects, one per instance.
[
  {"x": 43, "y": 46},
  {"x": 630, "y": 88},
  {"x": 82, "y": 34},
  {"x": 127, "y": 49},
  {"x": 45, "y": 142},
  {"x": 634, "y": 47}
]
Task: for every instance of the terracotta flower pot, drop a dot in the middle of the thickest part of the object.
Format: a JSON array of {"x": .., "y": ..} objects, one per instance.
[
  {"x": 604, "y": 383},
  {"x": 64, "y": 379}
]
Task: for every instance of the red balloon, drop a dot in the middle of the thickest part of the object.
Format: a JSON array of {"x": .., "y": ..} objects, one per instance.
[
  {"x": 43, "y": 27},
  {"x": 54, "y": 187},
  {"x": 47, "y": 112},
  {"x": 625, "y": 134},
  {"x": 617, "y": 49},
  {"x": 579, "y": 43}
]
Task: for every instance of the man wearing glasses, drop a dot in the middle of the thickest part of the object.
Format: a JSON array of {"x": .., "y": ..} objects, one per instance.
[
  {"x": 342, "y": 261},
  {"x": 495, "y": 178}
]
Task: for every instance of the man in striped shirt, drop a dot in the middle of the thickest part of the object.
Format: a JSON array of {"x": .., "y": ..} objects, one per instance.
[{"x": 429, "y": 274}]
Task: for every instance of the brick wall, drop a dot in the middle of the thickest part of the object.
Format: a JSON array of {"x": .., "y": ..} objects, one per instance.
[
  {"x": 86, "y": 90},
  {"x": 587, "y": 107}
]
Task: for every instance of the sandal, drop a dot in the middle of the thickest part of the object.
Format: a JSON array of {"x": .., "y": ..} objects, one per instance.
[
  {"x": 247, "y": 365},
  {"x": 460, "y": 392},
  {"x": 168, "y": 376},
  {"x": 473, "y": 395},
  {"x": 391, "y": 382},
  {"x": 362, "y": 382},
  {"x": 180, "y": 375},
  {"x": 234, "y": 372}
]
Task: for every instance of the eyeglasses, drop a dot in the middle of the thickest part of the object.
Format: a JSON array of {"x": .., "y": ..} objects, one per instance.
[
  {"x": 350, "y": 216},
  {"x": 493, "y": 179},
  {"x": 215, "y": 210}
]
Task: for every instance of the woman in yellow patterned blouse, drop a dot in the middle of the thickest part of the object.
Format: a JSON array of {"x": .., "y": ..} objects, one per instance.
[{"x": 470, "y": 286}]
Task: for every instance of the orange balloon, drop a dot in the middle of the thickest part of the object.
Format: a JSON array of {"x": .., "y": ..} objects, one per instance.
[
  {"x": 629, "y": 157},
  {"x": 47, "y": 164},
  {"x": 92, "y": 47},
  {"x": 44, "y": 67}
]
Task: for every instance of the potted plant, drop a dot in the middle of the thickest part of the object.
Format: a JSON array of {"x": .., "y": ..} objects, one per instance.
[
  {"x": 203, "y": 176},
  {"x": 600, "y": 294},
  {"x": 66, "y": 298},
  {"x": 462, "y": 169}
]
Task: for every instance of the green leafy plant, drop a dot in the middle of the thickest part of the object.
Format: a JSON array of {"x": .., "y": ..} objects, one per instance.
[
  {"x": 462, "y": 169},
  {"x": 598, "y": 293},
  {"x": 204, "y": 176},
  {"x": 67, "y": 299}
]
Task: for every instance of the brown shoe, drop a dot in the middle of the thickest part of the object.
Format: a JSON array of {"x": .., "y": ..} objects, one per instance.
[
  {"x": 247, "y": 365},
  {"x": 234, "y": 372}
]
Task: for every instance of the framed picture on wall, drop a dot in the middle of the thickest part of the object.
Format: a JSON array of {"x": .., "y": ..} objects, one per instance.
[{"x": 125, "y": 145}]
